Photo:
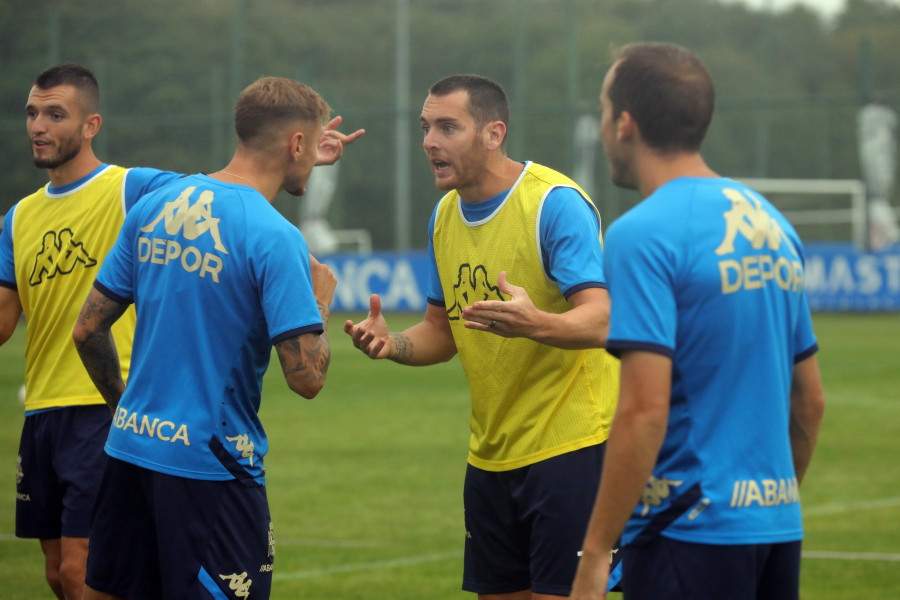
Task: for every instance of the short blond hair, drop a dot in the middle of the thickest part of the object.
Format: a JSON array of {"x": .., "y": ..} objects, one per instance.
[{"x": 270, "y": 103}]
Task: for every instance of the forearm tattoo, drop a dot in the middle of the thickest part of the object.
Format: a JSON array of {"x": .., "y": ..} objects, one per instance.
[
  {"x": 307, "y": 356},
  {"x": 403, "y": 348},
  {"x": 98, "y": 349}
]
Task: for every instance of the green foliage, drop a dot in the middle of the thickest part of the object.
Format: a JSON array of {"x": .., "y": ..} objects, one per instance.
[
  {"x": 788, "y": 83},
  {"x": 365, "y": 481}
]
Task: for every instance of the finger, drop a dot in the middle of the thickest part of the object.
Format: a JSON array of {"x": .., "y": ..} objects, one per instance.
[
  {"x": 374, "y": 305},
  {"x": 349, "y": 138},
  {"x": 332, "y": 124}
]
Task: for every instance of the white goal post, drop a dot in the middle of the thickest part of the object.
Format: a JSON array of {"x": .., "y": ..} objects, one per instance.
[{"x": 856, "y": 215}]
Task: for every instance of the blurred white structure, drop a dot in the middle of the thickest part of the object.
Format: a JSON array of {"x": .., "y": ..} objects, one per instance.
[
  {"x": 877, "y": 126},
  {"x": 587, "y": 137},
  {"x": 314, "y": 208}
]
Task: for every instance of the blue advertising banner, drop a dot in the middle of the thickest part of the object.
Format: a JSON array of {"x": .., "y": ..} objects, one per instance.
[
  {"x": 838, "y": 277},
  {"x": 398, "y": 277},
  {"x": 841, "y": 278}
]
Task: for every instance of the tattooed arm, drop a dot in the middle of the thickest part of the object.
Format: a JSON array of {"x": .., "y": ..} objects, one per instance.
[
  {"x": 426, "y": 343},
  {"x": 305, "y": 359},
  {"x": 95, "y": 345}
]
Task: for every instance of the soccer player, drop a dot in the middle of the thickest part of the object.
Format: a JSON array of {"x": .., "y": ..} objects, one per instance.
[
  {"x": 51, "y": 247},
  {"x": 543, "y": 390},
  {"x": 721, "y": 399},
  {"x": 217, "y": 276}
]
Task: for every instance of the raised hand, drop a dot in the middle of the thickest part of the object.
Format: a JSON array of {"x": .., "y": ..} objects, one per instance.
[{"x": 331, "y": 144}]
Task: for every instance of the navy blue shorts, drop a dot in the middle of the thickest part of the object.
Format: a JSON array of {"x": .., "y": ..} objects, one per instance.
[
  {"x": 157, "y": 536},
  {"x": 525, "y": 527},
  {"x": 60, "y": 463},
  {"x": 666, "y": 568}
]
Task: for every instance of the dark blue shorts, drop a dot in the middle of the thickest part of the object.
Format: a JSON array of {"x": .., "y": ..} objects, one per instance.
[
  {"x": 525, "y": 527},
  {"x": 157, "y": 536},
  {"x": 666, "y": 568},
  {"x": 60, "y": 463}
]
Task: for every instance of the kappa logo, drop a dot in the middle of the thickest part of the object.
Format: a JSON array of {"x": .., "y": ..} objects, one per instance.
[
  {"x": 471, "y": 285},
  {"x": 656, "y": 491},
  {"x": 748, "y": 217},
  {"x": 193, "y": 220},
  {"x": 190, "y": 221},
  {"x": 754, "y": 271},
  {"x": 243, "y": 445},
  {"x": 238, "y": 583},
  {"x": 60, "y": 252},
  {"x": 20, "y": 474}
]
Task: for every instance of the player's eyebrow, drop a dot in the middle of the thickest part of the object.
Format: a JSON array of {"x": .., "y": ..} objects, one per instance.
[{"x": 56, "y": 107}]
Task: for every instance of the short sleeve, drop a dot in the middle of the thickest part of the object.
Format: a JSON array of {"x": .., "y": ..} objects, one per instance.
[
  {"x": 642, "y": 277},
  {"x": 571, "y": 249},
  {"x": 143, "y": 180},
  {"x": 434, "y": 291},
  {"x": 281, "y": 267},
  {"x": 116, "y": 277},
  {"x": 7, "y": 258}
]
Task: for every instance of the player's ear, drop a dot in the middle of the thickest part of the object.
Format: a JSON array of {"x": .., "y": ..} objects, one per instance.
[
  {"x": 626, "y": 126},
  {"x": 296, "y": 145},
  {"x": 494, "y": 133},
  {"x": 91, "y": 126}
]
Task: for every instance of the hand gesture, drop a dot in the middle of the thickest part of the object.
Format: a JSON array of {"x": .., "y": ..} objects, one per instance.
[
  {"x": 371, "y": 335},
  {"x": 517, "y": 317},
  {"x": 323, "y": 282},
  {"x": 331, "y": 144}
]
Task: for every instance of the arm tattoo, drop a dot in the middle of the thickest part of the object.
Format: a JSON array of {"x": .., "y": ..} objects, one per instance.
[
  {"x": 403, "y": 348},
  {"x": 306, "y": 356},
  {"x": 98, "y": 348}
]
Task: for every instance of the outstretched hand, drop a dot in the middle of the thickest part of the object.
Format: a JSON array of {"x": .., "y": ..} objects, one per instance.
[
  {"x": 371, "y": 336},
  {"x": 331, "y": 144},
  {"x": 517, "y": 317}
]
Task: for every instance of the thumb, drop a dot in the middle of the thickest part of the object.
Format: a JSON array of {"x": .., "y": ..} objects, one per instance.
[
  {"x": 374, "y": 305},
  {"x": 504, "y": 286}
]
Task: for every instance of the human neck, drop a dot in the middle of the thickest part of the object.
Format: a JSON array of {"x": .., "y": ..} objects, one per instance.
[
  {"x": 84, "y": 163},
  {"x": 658, "y": 169},
  {"x": 498, "y": 177}
]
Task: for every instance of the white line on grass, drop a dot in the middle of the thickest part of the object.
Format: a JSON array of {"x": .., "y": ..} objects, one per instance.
[
  {"x": 851, "y": 555},
  {"x": 324, "y": 543},
  {"x": 845, "y": 507},
  {"x": 368, "y": 566}
]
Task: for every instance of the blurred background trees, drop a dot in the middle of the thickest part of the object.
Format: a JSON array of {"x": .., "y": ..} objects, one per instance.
[{"x": 789, "y": 84}]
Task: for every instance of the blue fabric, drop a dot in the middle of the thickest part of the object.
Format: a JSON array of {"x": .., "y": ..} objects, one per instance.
[
  {"x": 216, "y": 273},
  {"x": 7, "y": 260},
  {"x": 707, "y": 272}
]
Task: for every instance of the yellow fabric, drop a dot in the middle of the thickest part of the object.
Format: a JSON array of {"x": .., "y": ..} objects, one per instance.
[
  {"x": 59, "y": 242},
  {"x": 530, "y": 401}
]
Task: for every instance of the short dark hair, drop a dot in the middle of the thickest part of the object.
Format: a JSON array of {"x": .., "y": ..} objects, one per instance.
[
  {"x": 69, "y": 73},
  {"x": 668, "y": 92},
  {"x": 487, "y": 100},
  {"x": 272, "y": 102}
]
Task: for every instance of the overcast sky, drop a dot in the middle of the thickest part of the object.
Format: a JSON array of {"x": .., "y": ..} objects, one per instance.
[{"x": 829, "y": 8}]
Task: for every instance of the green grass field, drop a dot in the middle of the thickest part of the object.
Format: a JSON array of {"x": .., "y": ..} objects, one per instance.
[{"x": 365, "y": 482}]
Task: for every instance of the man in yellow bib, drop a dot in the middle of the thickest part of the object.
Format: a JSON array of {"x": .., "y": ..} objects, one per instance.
[
  {"x": 543, "y": 389},
  {"x": 52, "y": 245}
]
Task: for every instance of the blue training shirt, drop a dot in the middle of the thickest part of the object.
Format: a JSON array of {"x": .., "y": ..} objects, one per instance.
[
  {"x": 709, "y": 273},
  {"x": 571, "y": 251},
  {"x": 217, "y": 276}
]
